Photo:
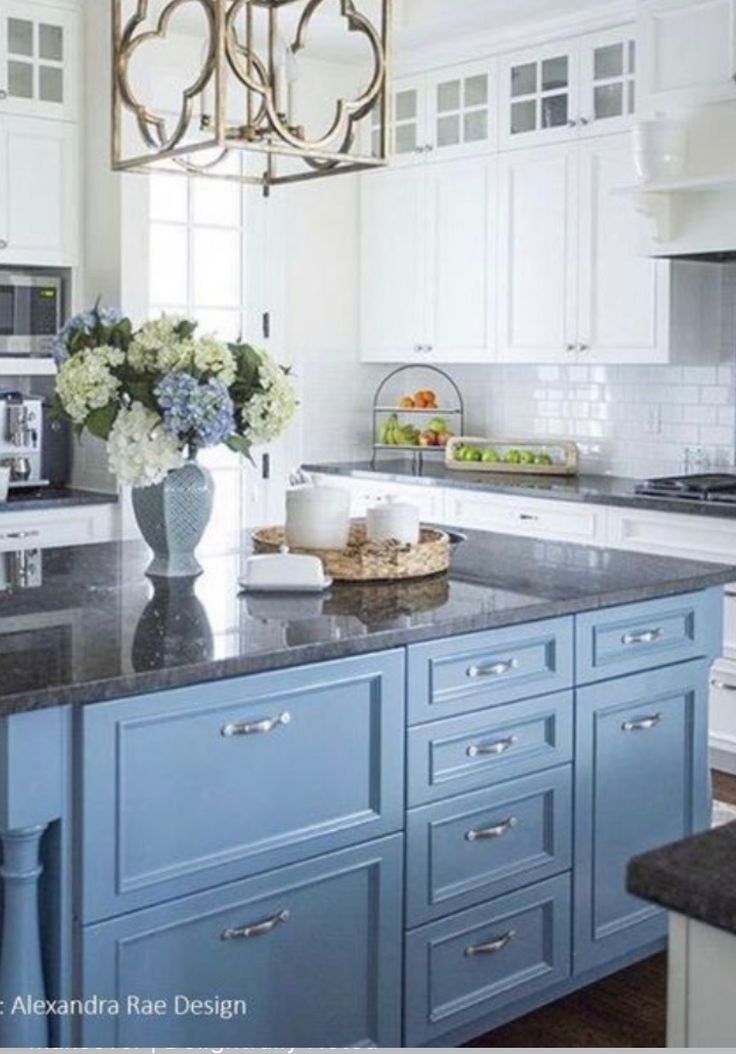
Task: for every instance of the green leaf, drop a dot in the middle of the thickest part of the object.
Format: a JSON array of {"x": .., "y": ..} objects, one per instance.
[
  {"x": 100, "y": 422},
  {"x": 141, "y": 390},
  {"x": 239, "y": 444}
]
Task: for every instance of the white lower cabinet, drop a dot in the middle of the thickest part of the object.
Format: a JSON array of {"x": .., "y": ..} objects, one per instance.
[
  {"x": 51, "y": 528},
  {"x": 529, "y": 517}
]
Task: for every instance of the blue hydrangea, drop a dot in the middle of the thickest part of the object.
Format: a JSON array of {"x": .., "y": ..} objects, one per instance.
[
  {"x": 197, "y": 411},
  {"x": 86, "y": 323}
]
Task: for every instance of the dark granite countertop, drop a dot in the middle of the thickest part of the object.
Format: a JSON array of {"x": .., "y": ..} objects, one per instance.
[
  {"x": 84, "y": 624},
  {"x": 590, "y": 490},
  {"x": 54, "y": 498},
  {"x": 695, "y": 877}
]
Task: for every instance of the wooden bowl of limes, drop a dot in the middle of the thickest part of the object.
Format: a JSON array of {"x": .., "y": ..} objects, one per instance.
[{"x": 536, "y": 457}]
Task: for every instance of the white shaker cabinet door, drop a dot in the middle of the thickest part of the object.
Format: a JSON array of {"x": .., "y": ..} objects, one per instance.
[
  {"x": 624, "y": 295},
  {"x": 537, "y": 257},
  {"x": 392, "y": 273},
  {"x": 39, "y": 192},
  {"x": 39, "y": 60},
  {"x": 461, "y": 271}
]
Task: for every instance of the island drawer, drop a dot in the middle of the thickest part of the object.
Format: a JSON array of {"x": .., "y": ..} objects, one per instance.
[
  {"x": 191, "y": 788},
  {"x": 470, "y": 752},
  {"x": 636, "y": 637},
  {"x": 472, "y": 672},
  {"x": 465, "y": 850},
  {"x": 314, "y": 951},
  {"x": 477, "y": 962}
]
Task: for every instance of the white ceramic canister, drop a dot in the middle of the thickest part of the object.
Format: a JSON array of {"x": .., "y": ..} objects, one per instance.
[
  {"x": 660, "y": 148},
  {"x": 317, "y": 518},
  {"x": 393, "y": 520}
]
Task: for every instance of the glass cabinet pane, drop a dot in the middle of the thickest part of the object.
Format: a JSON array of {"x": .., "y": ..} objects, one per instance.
[
  {"x": 462, "y": 111},
  {"x": 448, "y": 131},
  {"x": 608, "y": 62},
  {"x": 524, "y": 80},
  {"x": 20, "y": 80},
  {"x": 448, "y": 96},
  {"x": 554, "y": 111},
  {"x": 406, "y": 139},
  {"x": 614, "y": 73},
  {"x": 406, "y": 105},
  {"x": 20, "y": 37},
  {"x": 555, "y": 73},
  {"x": 608, "y": 101},
  {"x": 51, "y": 42},
  {"x": 523, "y": 117},
  {"x": 476, "y": 90},
  {"x": 475, "y": 126},
  {"x": 50, "y": 84}
]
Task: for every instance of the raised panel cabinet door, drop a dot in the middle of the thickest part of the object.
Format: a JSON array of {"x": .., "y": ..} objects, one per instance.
[
  {"x": 461, "y": 254},
  {"x": 39, "y": 60},
  {"x": 641, "y": 782},
  {"x": 687, "y": 52},
  {"x": 392, "y": 271},
  {"x": 462, "y": 110},
  {"x": 608, "y": 81},
  {"x": 308, "y": 956},
  {"x": 539, "y": 100},
  {"x": 194, "y": 787},
  {"x": 624, "y": 295},
  {"x": 41, "y": 177},
  {"x": 537, "y": 257}
]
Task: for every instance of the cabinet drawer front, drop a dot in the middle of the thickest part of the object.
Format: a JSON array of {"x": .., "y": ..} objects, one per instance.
[
  {"x": 530, "y": 517},
  {"x": 465, "y": 850},
  {"x": 469, "y": 752},
  {"x": 471, "y": 964},
  {"x": 314, "y": 950},
  {"x": 640, "y": 636},
  {"x": 479, "y": 670},
  {"x": 203, "y": 785}
]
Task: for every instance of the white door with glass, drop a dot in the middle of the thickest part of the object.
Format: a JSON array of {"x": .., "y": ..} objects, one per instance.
[
  {"x": 607, "y": 82},
  {"x": 461, "y": 111},
  {"x": 39, "y": 60},
  {"x": 539, "y": 95}
]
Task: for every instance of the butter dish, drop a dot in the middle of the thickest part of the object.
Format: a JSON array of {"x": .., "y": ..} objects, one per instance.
[{"x": 284, "y": 573}]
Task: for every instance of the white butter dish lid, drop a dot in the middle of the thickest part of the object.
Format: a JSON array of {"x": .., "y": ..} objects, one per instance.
[{"x": 284, "y": 573}]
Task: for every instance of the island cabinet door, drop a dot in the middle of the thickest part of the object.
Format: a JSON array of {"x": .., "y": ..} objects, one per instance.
[
  {"x": 192, "y": 788},
  {"x": 308, "y": 956},
  {"x": 641, "y": 782}
]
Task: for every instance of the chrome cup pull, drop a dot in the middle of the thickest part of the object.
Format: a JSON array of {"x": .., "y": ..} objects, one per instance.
[
  {"x": 479, "y": 750},
  {"x": 647, "y": 636},
  {"x": 255, "y": 728},
  {"x": 258, "y": 929},
  {"x": 497, "y": 669},
  {"x": 723, "y": 686},
  {"x": 484, "y": 834},
  {"x": 642, "y": 724},
  {"x": 492, "y": 947}
]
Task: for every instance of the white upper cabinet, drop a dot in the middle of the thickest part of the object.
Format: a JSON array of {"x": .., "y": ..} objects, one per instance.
[
  {"x": 408, "y": 131},
  {"x": 39, "y": 60},
  {"x": 39, "y": 192},
  {"x": 568, "y": 90},
  {"x": 687, "y": 53}
]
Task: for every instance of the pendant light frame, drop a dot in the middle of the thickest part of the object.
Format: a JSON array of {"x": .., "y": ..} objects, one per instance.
[{"x": 232, "y": 58}]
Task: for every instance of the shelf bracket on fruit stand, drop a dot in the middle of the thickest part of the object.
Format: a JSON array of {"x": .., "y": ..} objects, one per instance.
[{"x": 396, "y": 425}]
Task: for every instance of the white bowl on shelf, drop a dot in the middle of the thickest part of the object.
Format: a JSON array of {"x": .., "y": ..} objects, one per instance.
[{"x": 660, "y": 149}]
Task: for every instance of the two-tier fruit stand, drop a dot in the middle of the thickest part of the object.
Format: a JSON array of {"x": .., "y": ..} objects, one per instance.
[{"x": 452, "y": 408}]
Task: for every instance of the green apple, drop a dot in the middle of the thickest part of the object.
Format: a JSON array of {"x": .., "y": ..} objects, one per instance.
[{"x": 490, "y": 456}]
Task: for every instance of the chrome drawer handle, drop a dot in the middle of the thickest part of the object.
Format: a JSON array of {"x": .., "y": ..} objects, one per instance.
[
  {"x": 256, "y": 728},
  {"x": 3, "y": 243},
  {"x": 647, "y": 636},
  {"x": 723, "y": 686},
  {"x": 730, "y": 593},
  {"x": 259, "y": 929},
  {"x": 479, "y": 750},
  {"x": 16, "y": 535},
  {"x": 481, "y": 834},
  {"x": 642, "y": 724},
  {"x": 527, "y": 517},
  {"x": 492, "y": 947},
  {"x": 497, "y": 670}
]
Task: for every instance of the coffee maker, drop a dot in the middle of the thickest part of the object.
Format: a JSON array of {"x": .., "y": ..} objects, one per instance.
[{"x": 21, "y": 439}]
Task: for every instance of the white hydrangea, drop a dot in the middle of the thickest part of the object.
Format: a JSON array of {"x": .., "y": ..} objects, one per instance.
[
  {"x": 157, "y": 348},
  {"x": 211, "y": 356},
  {"x": 85, "y": 381},
  {"x": 140, "y": 451},
  {"x": 269, "y": 412}
]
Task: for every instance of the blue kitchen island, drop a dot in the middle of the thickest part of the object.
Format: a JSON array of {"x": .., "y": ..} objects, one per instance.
[{"x": 394, "y": 815}]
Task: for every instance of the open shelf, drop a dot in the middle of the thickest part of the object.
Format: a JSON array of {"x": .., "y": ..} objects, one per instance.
[
  {"x": 415, "y": 410},
  {"x": 686, "y": 185}
]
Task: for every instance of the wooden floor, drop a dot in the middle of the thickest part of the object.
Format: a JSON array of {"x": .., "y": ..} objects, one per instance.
[{"x": 626, "y": 1010}]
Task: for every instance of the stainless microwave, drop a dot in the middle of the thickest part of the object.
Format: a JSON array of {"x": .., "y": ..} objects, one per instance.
[{"x": 30, "y": 312}]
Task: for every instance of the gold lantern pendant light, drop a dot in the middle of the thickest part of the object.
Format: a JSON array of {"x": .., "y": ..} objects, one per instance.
[{"x": 243, "y": 50}]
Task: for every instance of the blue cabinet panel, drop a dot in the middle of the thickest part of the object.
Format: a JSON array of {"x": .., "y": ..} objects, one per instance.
[
  {"x": 635, "y": 637},
  {"x": 641, "y": 782},
  {"x": 469, "y": 965},
  {"x": 314, "y": 951},
  {"x": 473, "y": 672},
  {"x": 479, "y": 749},
  {"x": 189, "y": 788},
  {"x": 465, "y": 850}
]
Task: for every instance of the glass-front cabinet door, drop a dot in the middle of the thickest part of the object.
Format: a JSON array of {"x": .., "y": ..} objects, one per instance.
[
  {"x": 38, "y": 60},
  {"x": 608, "y": 81},
  {"x": 539, "y": 95},
  {"x": 461, "y": 110},
  {"x": 408, "y": 134}
]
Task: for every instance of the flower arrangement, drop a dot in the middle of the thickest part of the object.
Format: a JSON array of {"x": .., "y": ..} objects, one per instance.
[{"x": 158, "y": 394}]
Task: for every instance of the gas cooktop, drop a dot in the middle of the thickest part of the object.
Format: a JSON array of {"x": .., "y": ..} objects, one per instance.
[{"x": 709, "y": 486}]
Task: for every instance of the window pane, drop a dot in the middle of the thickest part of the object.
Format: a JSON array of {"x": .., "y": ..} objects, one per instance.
[
  {"x": 523, "y": 117},
  {"x": 554, "y": 73},
  {"x": 524, "y": 79},
  {"x": 608, "y": 101},
  {"x": 20, "y": 37},
  {"x": 216, "y": 202},
  {"x": 476, "y": 90},
  {"x": 168, "y": 198},
  {"x": 168, "y": 264},
  {"x": 448, "y": 131},
  {"x": 476, "y": 126},
  {"x": 608, "y": 62},
  {"x": 406, "y": 105},
  {"x": 406, "y": 139},
  {"x": 20, "y": 80},
  {"x": 50, "y": 84},
  {"x": 51, "y": 42},
  {"x": 448, "y": 96},
  {"x": 225, "y": 325},
  {"x": 554, "y": 111},
  {"x": 217, "y": 268}
]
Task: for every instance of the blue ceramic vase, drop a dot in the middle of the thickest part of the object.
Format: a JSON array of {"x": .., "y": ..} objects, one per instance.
[{"x": 172, "y": 517}]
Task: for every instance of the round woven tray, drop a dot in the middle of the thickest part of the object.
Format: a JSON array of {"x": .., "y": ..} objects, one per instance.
[{"x": 364, "y": 561}]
